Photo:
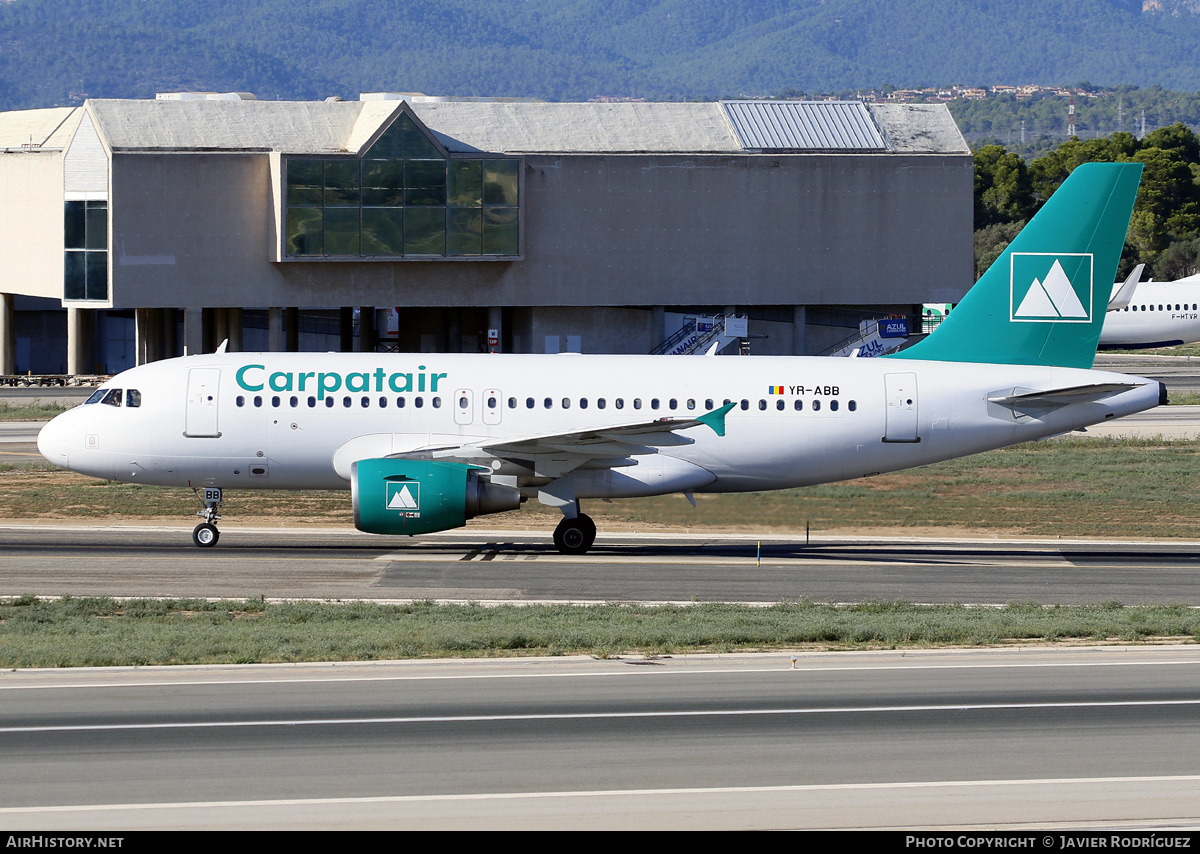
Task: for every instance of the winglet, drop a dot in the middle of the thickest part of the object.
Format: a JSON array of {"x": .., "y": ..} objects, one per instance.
[{"x": 716, "y": 418}]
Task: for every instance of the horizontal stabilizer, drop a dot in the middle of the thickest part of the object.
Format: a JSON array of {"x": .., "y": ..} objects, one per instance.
[{"x": 1064, "y": 396}]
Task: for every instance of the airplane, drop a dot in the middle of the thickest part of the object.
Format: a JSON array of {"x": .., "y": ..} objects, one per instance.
[
  {"x": 424, "y": 442},
  {"x": 1153, "y": 314}
]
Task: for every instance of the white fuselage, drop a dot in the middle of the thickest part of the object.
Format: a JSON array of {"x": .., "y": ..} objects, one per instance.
[
  {"x": 278, "y": 420},
  {"x": 1159, "y": 314}
]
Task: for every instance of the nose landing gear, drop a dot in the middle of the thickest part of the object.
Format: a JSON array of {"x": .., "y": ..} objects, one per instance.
[{"x": 205, "y": 535}]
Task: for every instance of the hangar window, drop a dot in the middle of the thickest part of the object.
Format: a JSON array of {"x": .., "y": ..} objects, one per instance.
[
  {"x": 403, "y": 198},
  {"x": 85, "y": 256}
]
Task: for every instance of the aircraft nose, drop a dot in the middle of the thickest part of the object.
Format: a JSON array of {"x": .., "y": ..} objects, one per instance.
[{"x": 52, "y": 442}]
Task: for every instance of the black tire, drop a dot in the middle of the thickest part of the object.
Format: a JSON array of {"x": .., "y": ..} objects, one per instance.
[
  {"x": 575, "y": 536},
  {"x": 206, "y": 535}
]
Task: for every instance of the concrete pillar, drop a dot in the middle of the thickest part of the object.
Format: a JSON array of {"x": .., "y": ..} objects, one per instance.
[
  {"x": 291, "y": 328},
  {"x": 346, "y": 324},
  {"x": 81, "y": 347},
  {"x": 170, "y": 332},
  {"x": 658, "y": 326},
  {"x": 453, "y": 330},
  {"x": 220, "y": 332},
  {"x": 235, "y": 330},
  {"x": 275, "y": 341},
  {"x": 193, "y": 331},
  {"x": 799, "y": 330},
  {"x": 8, "y": 335},
  {"x": 495, "y": 322},
  {"x": 368, "y": 337},
  {"x": 147, "y": 331}
]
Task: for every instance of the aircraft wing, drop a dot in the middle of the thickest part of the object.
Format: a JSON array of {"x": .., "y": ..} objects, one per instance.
[
  {"x": 1064, "y": 396},
  {"x": 1124, "y": 294},
  {"x": 606, "y": 446}
]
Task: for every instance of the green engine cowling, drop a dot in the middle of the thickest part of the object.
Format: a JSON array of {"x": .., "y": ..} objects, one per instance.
[{"x": 398, "y": 496}]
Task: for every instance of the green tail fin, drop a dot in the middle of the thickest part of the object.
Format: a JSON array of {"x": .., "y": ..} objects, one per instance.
[{"x": 1043, "y": 301}]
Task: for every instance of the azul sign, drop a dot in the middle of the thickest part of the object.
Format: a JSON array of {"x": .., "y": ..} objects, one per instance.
[{"x": 1048, "y": 287}]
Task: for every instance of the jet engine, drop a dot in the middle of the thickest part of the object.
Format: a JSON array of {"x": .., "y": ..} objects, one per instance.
[{"x": 399, "y": 496}]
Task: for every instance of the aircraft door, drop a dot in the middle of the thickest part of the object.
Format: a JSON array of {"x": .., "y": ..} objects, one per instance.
[
  {"x": 493, "y": 406},
  {"x": 200, "y": 419},
  {"x": 901, "y": 391},
  {"x": 464, "y": 406}
]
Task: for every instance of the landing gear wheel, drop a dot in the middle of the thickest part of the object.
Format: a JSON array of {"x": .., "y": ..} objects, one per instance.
[
  {"x": 575, "y": 536},
  {"x": 205, "y": 535}
]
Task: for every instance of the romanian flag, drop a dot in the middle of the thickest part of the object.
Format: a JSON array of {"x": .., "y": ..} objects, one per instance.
[{"x": 775, "y": 389}]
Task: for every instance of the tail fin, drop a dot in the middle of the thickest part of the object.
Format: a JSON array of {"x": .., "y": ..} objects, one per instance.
[{"x": 1043, "y": 302}]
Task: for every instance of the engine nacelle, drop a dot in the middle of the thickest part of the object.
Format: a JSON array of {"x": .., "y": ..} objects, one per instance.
[{"x": 398, "y": 496}]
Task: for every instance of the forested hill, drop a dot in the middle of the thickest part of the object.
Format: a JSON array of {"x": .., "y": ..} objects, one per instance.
[{"x": 59, "y": 51}]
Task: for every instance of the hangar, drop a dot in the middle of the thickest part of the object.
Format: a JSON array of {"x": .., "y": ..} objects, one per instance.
[{"x": 134, "y": 230}]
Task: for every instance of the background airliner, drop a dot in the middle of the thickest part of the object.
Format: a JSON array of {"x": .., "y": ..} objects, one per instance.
[
  {"x": 1158, "y": 314},
  {"x": 426, "y": 441}
]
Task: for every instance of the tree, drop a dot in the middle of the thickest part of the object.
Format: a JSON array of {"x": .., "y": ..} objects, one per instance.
[{"x": 1003, "y": 190}]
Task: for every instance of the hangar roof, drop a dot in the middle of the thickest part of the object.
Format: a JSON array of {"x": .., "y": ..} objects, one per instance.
[
  {"x": 34, "y": 129},
  {"x": 512, "y": 127}
]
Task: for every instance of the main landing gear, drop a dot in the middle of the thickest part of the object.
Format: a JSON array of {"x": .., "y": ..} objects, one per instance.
[
  {"x": 575, "y": 536},
  {"x": 205, "y": 535}
]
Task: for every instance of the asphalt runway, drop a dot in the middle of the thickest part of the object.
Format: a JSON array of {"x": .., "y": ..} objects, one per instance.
[
  {"x": 495, "y": 566},
  {"x": 934, "y": 740}
]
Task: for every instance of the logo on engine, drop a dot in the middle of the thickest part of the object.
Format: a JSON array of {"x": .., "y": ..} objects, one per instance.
[
  {"x": 403, "y": 495},
  {"x": 1050, "y": 288}
]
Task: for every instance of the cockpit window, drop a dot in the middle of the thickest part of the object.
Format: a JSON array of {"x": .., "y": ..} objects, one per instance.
[
  {"x": 133, "y": 397},
  {"x": 96, "y": 395},
  {"x": 112, "y": 397}
]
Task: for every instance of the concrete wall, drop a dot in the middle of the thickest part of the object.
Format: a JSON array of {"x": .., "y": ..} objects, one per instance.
[
  {"x": 619, "y": 230},
  {"x": 31, "y": 223}
]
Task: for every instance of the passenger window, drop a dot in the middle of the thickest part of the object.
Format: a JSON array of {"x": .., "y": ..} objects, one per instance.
[
  {"x": 816, "y": 405},
  {"x": 437, "y": 403},
  {"x": 312, "y": 401},
  {"x": 275, "y": 400},
  {"x": 745, "y": 404},
  {"x": 620, "y": 404},
  {"x": 547, "y": 403},
  {"x": 672, "y": 404},
  {"x": 708, "y": 404},
  {"x": 418, "y": 402},
  {"x": 365, "y": 401},
  {"x": 462, "y": 402},
  {"x": 329, "y": 403},
  {"x": 346, "y": 402},
  {"x": 529, "y": 403},
  {"x": 654, "y": 403},
  {"x": 258, "y": 400},
  {"x": 853, "y": 405},
  {"x": 833, "y": 406},
  {"x": 566, "y": 403},
  {"x": 601, "y": 403},
  {"x": 637, "y": 403},
  {"x": 779, "y": 405},
  {"x": 133, "y": 397},
  {"x": 512, "y": 403},
  {"x": 762, "y": 404},
  {"x": 583, "y": 403},
  {"x": 294, "y": 401},
  {"x": 399, "y": 403},
  {"x": 799, "y": 405},
  {"x": 382, "y": 402},
  {"x": 691, "y": 404},
  {"x": 112, "y": 397},
  {"x": 240, "y": 401}
]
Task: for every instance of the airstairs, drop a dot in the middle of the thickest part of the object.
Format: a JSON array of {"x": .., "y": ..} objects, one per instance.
[
  {"x": 699, "y": 333},
  {"x": 874, "y": 338}
]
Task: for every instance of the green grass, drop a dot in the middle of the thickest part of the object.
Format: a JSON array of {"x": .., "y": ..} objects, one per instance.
[
  {"x": 1098, "y": 487},
  {"x": 36, "y": 411},
  {"x": 71, "y": 632}
]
